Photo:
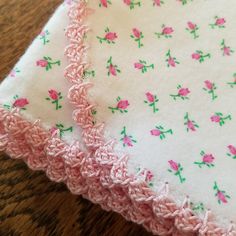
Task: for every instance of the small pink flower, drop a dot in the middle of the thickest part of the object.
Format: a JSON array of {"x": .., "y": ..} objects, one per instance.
[
  {"x": 127, "y": 2},
  {"x": 191, "y": 125},
  {"x": 221, "y": 197},
  {"x": 111, "y": 36},
  {"x": 167, "y": 30},
  {"x": 136, "y": 33},
  {"x": 155, "y": 132},
  {"x": 171, "y": 62},
  {"x": 20, "y": 102},
  {"x": 215, "y": 118},
  {"x": 103, "y": 3},
  {"x": 174, "y": 166},
  {"x": 208, "y": 158},
  {"x": 209, "y": 85},
  {"x": 227, "y": 51},
  {"x": 127, "y": 141},
  {"x": 157, "y": 2},
  {"x": 42, "y": 63},
  {"x": 123, "y": 104},
  {"x": 196, "y": 56},
  {"x": 220, "y": 21},
  {"x": 112, "y": 70},
  {"x": 149, "y": 176},
  {"x": 184, "y": 92},
  {"x": 53, "y": 130},
  {"x": 138, "y": 65},
  {"x": 53, "y": 94},
  {"x": 150, "y": 97},
  {"x": 191, "y": 25},
  {"x": 232, "y": 149}
]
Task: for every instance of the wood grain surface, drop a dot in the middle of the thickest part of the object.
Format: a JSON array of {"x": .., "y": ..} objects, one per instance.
[{"x": 29, "y": 203}]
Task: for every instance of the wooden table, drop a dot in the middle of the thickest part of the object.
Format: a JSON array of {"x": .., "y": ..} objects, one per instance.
[{"x": 29, "y": 203}]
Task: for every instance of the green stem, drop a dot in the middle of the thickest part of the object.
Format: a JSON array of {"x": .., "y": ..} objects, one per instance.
[
  {"x": 213, "y": 94},
  {"x": 207, "y": 55},
  {"x": 199, "y": 164},
  {"x": 180, "y": 177},
  {"x": 195, "y": 34},
  {"x": 57, "y": 104},
  {"x": 154, "y": 107},
  {"x": 113, "y": 109},
  {"x": 174, "y": 96},
  {"x": 101, "y": 39},
  {"x": 139, "y": 43},
  {"x": 53, "y": 63},
  {"x": 226, "y": 118}
]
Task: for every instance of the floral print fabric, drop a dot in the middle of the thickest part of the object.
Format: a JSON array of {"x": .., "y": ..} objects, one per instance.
[
  {"x": 164, "y": 85},
  {"x": 37, "y": 86}
]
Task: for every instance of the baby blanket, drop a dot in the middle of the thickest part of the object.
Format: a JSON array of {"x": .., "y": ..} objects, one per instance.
[{"x": 137, "y": 113}]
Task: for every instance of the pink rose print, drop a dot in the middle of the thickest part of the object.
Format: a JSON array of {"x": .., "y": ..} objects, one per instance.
[
  {"x": 226, "y": 50},
  {"x": 232, "y": 84},
  {"x": 152, "y": 101},
  {"x": 219, "y": 23},
  {"x": 18, "y": 102},
  {"x": 142, "y": 65},
  {"x": 54, "y": 97},
  {"x": 177, "y": 169},
  {"x": 127, "y": 140},
  {"x": 14, "y": 72},
  {"x": 132, "y": 3},
  {"x": 166, "y": 32},
  {"x": 207, "y": 160},
  {"x": 112, "y": 69},
  {"x": 62, "y": 129},
  {"x": 137, "y": 36},
  {"x": 182, "y": 93},
  {"x": 146, "y": 175},
  {"x": 160, "y": 132},
  {"x": 121, "y": 106},
  {"x": 158, "y": 2},
  {"x": 109, "y": 37},
  {"x": 232, "y": 151},
  {"x": 171, "y": 61},
  {"x": 88, "y": 73},
  {"x": 190, "y": 124},
  {"x": 43, "y": 36},
  {"x": 210, "y": 89},
  {"x": 47, "y": 63},
  {"x": 54, "y": 130},
  {"x": 221, "y": 195},
  {"x": 104, "y": 3},
  {"x": 192, "y": 29},
  {"x": 200, "y": 56},
  {"x": 219, "y": 118},
  {"x": 184, "y": 2}
]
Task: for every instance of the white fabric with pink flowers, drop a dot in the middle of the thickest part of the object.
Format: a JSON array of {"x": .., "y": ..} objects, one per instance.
[
  {"x": 165, "y": 86},
  {"x": 37, "y": 85},
  {"x": 164, "y": 75}
]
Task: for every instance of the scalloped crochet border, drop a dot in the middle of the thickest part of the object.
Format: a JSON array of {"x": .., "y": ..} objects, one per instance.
[{"x": 157, "y": 212}]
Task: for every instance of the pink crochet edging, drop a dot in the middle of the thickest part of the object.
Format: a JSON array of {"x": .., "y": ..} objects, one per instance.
[{"x": 137, "y": 202}]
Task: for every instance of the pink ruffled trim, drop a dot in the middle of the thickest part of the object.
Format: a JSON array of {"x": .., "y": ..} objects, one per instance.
[{"x": 128, "y": 196}]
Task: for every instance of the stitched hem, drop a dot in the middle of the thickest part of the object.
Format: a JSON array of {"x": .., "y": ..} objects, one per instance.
[{"x": 158, "y": 212}]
